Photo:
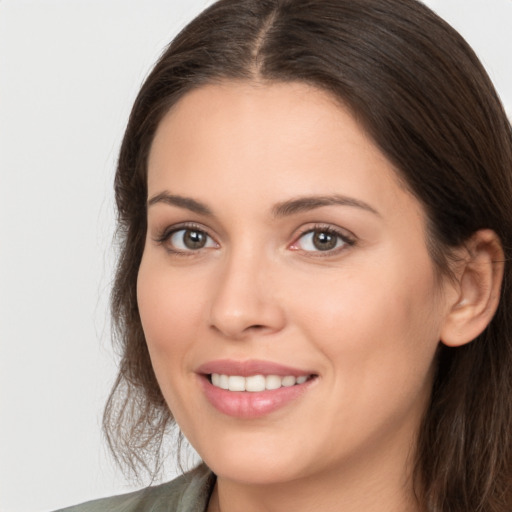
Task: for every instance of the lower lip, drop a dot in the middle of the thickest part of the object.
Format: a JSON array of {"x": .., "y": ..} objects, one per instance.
[{"x": 249, "y": 405}]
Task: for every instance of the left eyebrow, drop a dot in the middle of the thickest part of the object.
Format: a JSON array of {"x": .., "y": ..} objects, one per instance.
[{"x": 306, "y": 203}]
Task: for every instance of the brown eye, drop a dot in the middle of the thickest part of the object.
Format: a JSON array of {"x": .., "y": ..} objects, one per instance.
[
  {"x": 194, "y": 239},
  {"x": 324, "y": 241},
  {"x": 190, "y": 240}
]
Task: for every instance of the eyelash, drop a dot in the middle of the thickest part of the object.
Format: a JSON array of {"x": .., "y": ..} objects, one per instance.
[
  {"x": 167, "y": 234},
  {"x": 347, "y": 241}
]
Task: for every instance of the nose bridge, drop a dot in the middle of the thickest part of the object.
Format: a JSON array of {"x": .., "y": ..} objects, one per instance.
[{"x": 243, "y": 301}]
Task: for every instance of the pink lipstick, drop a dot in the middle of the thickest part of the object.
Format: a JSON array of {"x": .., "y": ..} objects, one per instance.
[{"x": 251, "y": 389}]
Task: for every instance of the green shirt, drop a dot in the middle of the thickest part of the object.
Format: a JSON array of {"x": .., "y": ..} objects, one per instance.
[{"x": 187, "y": 493}]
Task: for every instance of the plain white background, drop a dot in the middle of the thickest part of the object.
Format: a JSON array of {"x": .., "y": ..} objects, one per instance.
[{"x": 69, "y": 71}]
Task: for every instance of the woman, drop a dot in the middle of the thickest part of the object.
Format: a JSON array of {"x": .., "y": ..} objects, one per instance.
[{"x": 314, "y": 208}]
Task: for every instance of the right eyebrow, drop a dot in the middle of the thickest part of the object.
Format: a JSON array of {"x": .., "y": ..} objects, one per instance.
[{"x": 180, "y": 201}]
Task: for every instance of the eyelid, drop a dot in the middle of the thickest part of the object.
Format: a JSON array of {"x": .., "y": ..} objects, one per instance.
[
  {"x": 166, "y": 233},
  {"x": 348, "y": 239}
]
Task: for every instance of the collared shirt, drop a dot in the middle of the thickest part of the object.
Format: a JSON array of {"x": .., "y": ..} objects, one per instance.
[{"x": 187, "y": 493}]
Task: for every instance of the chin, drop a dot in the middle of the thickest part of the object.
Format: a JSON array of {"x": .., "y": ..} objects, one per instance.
[{"x": 257, "y": 459}]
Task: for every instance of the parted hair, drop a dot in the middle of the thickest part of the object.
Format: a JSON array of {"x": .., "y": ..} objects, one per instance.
[{"x": 426, "y": 101}]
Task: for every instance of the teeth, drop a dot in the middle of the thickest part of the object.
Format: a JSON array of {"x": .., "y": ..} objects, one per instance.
[
  {"x": 288, "y": 381},
  {"x": 223, "y": 381},
  {"x": 236, "y": 383},
  {"x": 272, "y": 382},
  {"x": 255, "y": 383}
]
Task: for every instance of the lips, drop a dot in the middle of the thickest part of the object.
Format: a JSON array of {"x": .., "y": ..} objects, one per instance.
[{"x": 252, "y": 389}]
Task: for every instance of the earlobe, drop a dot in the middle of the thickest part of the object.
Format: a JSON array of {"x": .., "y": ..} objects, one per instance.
[{"x": 478, "y": 286}]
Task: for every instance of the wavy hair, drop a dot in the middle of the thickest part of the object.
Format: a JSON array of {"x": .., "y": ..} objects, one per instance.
[{"x": 426, "y": 101}]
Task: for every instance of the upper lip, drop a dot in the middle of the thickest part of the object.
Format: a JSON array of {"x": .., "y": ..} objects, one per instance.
[{"x": 250, "y": 367}]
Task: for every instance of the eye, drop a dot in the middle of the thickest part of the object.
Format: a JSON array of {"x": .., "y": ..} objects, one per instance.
[
  {"x": 322, "y": 239},
  {"x": 187, "y": 240}
]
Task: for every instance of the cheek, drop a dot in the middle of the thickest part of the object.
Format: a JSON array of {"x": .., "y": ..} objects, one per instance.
[
  {"x": 169, "y": 311},
  {"x": 377, "y": 325}
]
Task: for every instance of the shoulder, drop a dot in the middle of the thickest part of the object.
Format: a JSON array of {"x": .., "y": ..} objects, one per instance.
[{"x": 187, "y": 493}]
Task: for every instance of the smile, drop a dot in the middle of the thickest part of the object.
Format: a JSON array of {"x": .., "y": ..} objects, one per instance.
[
  {"x": 255, "y": 383},
  {"x": 252, "y": 389}
]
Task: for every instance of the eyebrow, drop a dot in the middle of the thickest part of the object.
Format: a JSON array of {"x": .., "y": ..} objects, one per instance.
[
  {"x": 180, "y": 201},
  {"x": 306, "y": 203},
  {"x": 283, "y": 209}
]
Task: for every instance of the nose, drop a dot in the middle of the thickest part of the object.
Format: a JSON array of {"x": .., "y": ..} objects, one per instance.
[{"x": 244, "y": 302}]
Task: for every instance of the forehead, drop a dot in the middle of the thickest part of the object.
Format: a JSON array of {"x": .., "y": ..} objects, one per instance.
[
  {"x": 278, "y": 139},
  {"x": 225, "y": 112}
]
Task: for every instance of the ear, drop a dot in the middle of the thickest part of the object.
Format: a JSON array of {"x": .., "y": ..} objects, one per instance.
[{"x": 476, "y": 293}]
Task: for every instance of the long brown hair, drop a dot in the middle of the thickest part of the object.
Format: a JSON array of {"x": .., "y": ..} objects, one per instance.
[{"x": 428, "y": 104}]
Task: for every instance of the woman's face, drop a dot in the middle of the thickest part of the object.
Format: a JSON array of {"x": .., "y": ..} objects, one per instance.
[{"x": 284, "y": 257}]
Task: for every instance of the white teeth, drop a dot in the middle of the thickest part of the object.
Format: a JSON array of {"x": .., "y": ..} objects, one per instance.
[
  {"x": 272, "y": 382},
  {"x": 288, "y": 381},
  {"x": 236, "y": 383},
  {"x": 223, "y": 381},
  {"x": 255, "y": 383}
]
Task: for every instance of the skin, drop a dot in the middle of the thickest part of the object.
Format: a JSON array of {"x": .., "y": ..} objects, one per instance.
[{"x": 365, "y": 317}]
